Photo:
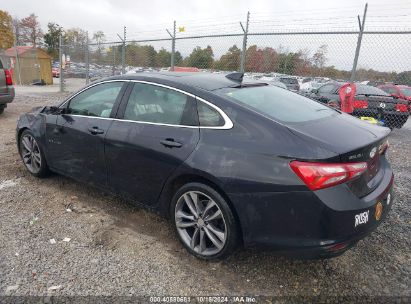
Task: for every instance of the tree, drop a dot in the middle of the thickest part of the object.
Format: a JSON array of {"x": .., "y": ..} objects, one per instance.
[
  {"x": 6, "y": 30},
  {"x": 320, "y": 56},
  {"x": 178, "y": 58},
  {"x": 51, "y": 38},
  {"x": 140, "y": 55},
  {"x": 200, "y": 58},
  {"x": 99, "y": 37},
  {"x": 31, "y": 33},
  {"x": 230, "y": 61},
  {"x": 163, "y": 58},
  {"x": 75, "y": 40},
  {"x": 403, "y": 78}
]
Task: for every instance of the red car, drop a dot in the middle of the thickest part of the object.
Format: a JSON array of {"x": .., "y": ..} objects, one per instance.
[
  {"x": 364, "y": 101},
  {"x": 56, "y": 72},
  {"x": 397, "y": 91}
]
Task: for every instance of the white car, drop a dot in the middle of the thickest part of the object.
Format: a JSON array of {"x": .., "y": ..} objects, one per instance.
[{"x": 307, "y": 87}]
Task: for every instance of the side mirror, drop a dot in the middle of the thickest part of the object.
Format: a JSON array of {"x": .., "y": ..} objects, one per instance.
[{"x": 57, "y": 111}]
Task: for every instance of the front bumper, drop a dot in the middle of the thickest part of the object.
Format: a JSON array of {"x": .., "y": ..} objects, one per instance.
[{"x": 311, "y": 224}]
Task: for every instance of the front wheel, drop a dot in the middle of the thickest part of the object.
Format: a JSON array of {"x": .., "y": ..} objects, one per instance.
[
  {"x": 204, "y": 222},
  {"x": 32, "y": 155}
]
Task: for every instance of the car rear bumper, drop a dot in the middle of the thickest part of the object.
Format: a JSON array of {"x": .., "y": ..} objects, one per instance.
[
  {"x": 311, "y": 224},
  {"x": 7, "y": 97}
]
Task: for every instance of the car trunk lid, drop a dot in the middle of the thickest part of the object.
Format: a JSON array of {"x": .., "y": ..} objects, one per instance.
[{"x": 354, "y": 141}]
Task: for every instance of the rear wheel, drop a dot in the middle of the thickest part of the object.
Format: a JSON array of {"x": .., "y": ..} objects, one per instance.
[
  {"x": 204, "y": 222},
  {"x": 2, "y": 109},
  {"x": 32, "y": 155}
]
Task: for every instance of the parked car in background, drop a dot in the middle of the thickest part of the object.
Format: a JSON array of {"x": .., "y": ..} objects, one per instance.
[
  {"x": 397, "y": 91},
  {"x": 6, "y": 87},
  {"x": 269, "y": 80},
  {"x": 290, "y": 82},
  {"x": 307, "y": 87},
  {"x": 176, "y": 143},
  {"x": 368, "y": 101},
  {"x": 278, "y": 84},
  {"x": 372, "y": 83},
  {"x": 55, "y": 72}
]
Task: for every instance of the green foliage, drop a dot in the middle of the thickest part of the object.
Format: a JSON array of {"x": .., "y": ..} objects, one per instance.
[
  {"x": 403, "y": 78},
  {"x": 230, "y": 61},
  {"x": 200, "y": 58},
  {"x": 51, "y": 39},
  {"x": 75, "y": 41}
]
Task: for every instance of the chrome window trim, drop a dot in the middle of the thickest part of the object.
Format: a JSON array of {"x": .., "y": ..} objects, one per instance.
[{"x": 228, "y": 124}]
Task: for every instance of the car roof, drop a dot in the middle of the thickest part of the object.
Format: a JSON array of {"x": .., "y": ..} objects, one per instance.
[{"x": 202, "y": 80}]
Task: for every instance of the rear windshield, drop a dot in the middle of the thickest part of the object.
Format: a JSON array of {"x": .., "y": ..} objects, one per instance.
[
  {"x": 289, "y": 80},
  {"x": 363, "y": 89},
  {"x": 406, "y": 92},
  {"x": 279, "y": 104}
]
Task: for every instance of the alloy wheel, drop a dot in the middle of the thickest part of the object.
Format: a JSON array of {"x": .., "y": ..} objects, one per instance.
[
  {"x": 30, "y": 152},
  {"x": 200, "y": 223}
]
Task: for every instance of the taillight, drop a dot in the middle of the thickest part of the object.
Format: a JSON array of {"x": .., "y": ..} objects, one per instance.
[
  {"x": 9, "y": 80},
  {"x": 401, "y": 107},
  {"x": 323, "y": 175},
  {"x": 360, "y": 104}
]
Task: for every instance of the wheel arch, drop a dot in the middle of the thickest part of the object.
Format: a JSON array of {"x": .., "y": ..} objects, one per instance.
[
  {"x": 19, "y": 132},
  {"x": 177, "y": 182}
]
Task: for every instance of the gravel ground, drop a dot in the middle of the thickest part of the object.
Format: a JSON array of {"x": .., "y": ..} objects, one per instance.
[{"x": 118, "y": 249}]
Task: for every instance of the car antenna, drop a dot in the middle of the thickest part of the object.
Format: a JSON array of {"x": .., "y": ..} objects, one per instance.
[{"x": 237, "y": 77}]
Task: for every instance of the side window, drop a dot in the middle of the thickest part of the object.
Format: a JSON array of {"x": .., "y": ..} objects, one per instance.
[
  {"x": 208, "y": 116},
  {"x": 155, "y": 104},
  {"x": 328, "y": 88},
  {"x": 97, "y": 101}
]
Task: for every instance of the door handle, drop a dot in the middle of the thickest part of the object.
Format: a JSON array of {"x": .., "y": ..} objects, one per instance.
[
  {"x": 170, "y": 143},
  {"x": 95, "y": 130}
]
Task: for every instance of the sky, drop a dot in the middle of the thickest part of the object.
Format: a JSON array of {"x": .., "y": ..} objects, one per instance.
[{"x": 149, "y": 19}]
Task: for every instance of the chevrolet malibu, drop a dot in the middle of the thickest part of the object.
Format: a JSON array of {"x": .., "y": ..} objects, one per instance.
[{"x": 231, "y": 163}]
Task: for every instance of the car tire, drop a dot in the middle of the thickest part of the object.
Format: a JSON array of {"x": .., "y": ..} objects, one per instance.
[
  {"x": 2, "y": 109},
  {"x": 36, "y": 164},
  {"x": 210, "y": 230}
]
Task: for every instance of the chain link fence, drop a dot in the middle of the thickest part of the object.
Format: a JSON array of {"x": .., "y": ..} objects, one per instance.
[{"x": 303, "y": 61}]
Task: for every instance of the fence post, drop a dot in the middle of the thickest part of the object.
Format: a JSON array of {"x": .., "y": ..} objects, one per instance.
[
  {"x": 357, "y": 51},
  {"x": 61, "y": 74},
  {"x": 114, "y": 61},
  {"x": 245, "y": 30},
  {"x": 17, "y": 62},
  {"x": 87, "y": 61},
  {"x": 173, "y": 46},
  {"x": 123, "y": 53}
]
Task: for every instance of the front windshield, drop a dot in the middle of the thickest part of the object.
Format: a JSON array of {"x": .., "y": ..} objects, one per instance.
[{"x": 279, "y": 104}]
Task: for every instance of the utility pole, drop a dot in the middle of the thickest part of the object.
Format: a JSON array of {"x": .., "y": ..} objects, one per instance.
[
  {"x": 87, "y": 61},
  {"x": 173, "y": 46},
  {"x": 245, "y": 30},
  {"x": 61, "y": 74},
  {"x": 123, "y": 51},
  {"x": 357, "y": 51}
]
